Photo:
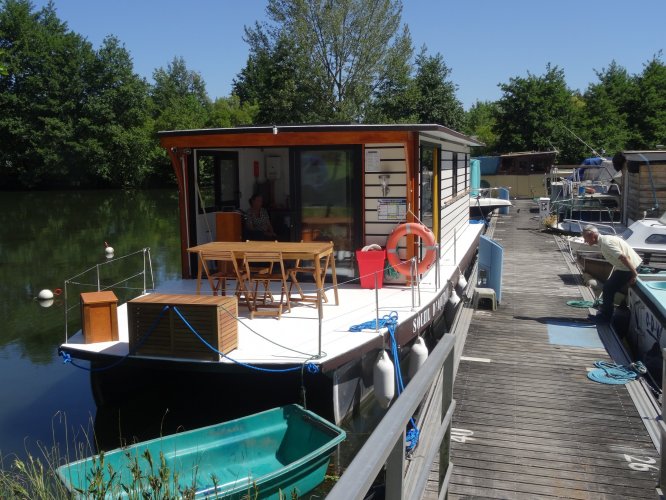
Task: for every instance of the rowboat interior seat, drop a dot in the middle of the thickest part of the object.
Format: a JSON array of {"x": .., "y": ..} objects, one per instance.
[
  {"x": 264, "y": 303},
  {"x": 308, "y": 268},
  {"x": 227, "y": 269}
]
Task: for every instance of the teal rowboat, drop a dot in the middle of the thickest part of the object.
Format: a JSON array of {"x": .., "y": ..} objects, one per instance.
[{"x": 265, "y": 455}]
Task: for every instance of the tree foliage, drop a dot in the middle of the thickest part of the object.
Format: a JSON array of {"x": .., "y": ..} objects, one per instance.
[
  {"x": 72, "y": 115},
  {"x": 341, "y": 51}
]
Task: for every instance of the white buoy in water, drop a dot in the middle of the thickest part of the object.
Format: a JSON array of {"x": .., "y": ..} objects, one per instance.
[
  {"x": 45, "y": 298},
  {"x": 417, "y": 356},
  {"x": 108, "y": 250},
  {"x": 382, "y": 375}
]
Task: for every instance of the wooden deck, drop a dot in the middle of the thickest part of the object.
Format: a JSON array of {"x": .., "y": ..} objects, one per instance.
[{"x": 528, "y": 422}]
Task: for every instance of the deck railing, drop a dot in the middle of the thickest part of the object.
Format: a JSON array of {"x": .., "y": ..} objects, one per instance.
[
  {"x": 407, "y": 477},
  {"x": 91, "y": 279},
  {"x": 662, "y": 427}
]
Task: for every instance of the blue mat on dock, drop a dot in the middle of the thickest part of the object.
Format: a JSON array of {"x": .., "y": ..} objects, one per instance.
[{"x": 574, "y": 334}]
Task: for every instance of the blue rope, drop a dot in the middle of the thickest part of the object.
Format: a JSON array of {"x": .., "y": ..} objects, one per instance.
[
  {"x": 390, "y": 321},
  {"x": 311, "y": 367},
  {"x": 610, "y": 373},
  {"x": 67, "y": 358},
  {"x": 384, "y": 322}
]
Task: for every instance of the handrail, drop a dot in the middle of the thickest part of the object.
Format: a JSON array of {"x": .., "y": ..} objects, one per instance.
[
  {"x": 386, "y": 445},
  {"x": 147, "y": 268},
  {"x": 662, "y": 465},
  {"x": 582, "y": 223}
]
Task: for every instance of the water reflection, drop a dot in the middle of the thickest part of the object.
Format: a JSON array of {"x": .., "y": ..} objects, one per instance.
[{"x": 45, "y": 238}]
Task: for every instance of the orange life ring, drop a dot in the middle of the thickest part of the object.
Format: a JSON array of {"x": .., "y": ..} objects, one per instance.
[{"x": 403, "y": 266}]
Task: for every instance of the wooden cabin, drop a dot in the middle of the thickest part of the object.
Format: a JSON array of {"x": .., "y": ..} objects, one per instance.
[
  {"x": 524, "y": 172},
  {"x": 644, "y": 183},
  {"x": 349, "y": 184}
]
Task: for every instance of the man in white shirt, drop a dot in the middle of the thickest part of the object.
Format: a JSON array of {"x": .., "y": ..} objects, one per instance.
[{"x": 625, "y": 263}]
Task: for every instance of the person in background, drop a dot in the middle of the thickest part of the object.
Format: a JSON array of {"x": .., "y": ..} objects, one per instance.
[
  {"x": 257, "y": 222},
  {"x": 625, "y": 263}
]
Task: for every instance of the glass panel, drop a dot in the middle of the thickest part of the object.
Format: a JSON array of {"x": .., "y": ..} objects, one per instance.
[
  {"x": 206, "y": 184},
  {"x": 427, "y": 154},
  {"x": 229, "y": 183},
  {"x": 326, "y": 202}
]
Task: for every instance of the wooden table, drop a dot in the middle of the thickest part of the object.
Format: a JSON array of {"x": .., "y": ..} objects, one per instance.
[{"x": 307, "y": 250}]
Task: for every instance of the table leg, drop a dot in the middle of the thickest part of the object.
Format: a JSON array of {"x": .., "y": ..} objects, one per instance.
[{"x": 334, "y": 278}]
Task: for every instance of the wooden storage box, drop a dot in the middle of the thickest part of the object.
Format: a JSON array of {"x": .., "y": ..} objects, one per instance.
[
  {"x": 99, "y": 316},
  {"x": 156, "y": 332}
]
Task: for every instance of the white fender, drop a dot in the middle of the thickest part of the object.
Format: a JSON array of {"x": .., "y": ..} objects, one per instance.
[
  {"x": 417, "y": 356},
  {"x": 462, "y": 282},
  {"x": 382, "y": 374},
  {"x": 454, "y": 299}
]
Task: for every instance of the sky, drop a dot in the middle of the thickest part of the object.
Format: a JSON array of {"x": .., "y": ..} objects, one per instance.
[{"x": 484, "y": 42}]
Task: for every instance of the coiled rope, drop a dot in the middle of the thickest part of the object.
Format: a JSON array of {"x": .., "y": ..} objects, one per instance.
[
  {"x": 390, "y": 322},
  {"x": 611, "y": 373}
]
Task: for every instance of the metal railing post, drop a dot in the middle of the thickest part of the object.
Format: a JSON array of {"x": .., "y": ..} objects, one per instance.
[
  {"x": 98, "y": 280},
  {"x": 447, "y": 398},
  {"x": 662, "y": 465},
  {"x": 376, "y": 305},
  {"x": 412, "y": 268},
  {"x": 66, "y": 311},
  {"x": 395, "y": 467},
  {"x": 320, "y": 313}
]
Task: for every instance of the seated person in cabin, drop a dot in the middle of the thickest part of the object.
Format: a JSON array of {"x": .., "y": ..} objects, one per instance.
[{"x": 257, "y": 222}]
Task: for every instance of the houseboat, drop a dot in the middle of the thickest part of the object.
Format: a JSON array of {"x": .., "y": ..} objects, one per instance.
[{"x": 307, "y": 312}]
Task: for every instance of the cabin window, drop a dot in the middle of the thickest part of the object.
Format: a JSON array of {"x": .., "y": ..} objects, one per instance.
[
  {"x": 217, "y": 181},
  {"x": 325, "y": 196},
  {"x": 455, "y": 174}
]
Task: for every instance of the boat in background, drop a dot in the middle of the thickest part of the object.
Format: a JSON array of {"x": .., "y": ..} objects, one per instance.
[
  {"x": 645, "y": 337},
  {"x": 280, "y": 453},
  {"x": 590, "y": 193},
  {"x": 481, "y": 204},
  {"x": 646, "y": 236}
]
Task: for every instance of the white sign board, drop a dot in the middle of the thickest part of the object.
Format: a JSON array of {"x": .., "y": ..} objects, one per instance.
[
  {"x": 372, "y": 160},
  {"x": 391, "y": 209}
]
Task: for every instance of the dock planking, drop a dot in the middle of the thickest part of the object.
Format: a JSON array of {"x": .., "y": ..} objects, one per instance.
[{"x": 528, "y": 422}]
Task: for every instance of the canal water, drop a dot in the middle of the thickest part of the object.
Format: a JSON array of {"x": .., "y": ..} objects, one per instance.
[{"x": 45, "y": 239}]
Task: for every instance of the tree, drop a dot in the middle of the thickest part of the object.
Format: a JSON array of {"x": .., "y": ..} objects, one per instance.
[
  {"x": 648, "y": 117},
  {"x": 40, "y": 96},
  {"x": 342, "y": 49},
  {"x": 179, "y": 97},
  {"x": 480, "y": 122},
  {"x": 277, "y": 80},
  {"x": 114, "y": 141},
  {"x": 229, "y": 112},
  {"x": 540, "y": 113},
  {"x": 607, "y": 108},
  {"x": 436, "y": 100},
  {"x": 394, "y": 99}
]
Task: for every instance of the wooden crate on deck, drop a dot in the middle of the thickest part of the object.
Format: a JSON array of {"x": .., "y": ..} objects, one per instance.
[
  {"x": 154, "y": 331},
  {"x": 99, "y": 316}
]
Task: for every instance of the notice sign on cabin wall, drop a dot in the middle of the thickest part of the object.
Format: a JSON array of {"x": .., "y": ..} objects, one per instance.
[
  {"x": 391, "y": 209},
  {"x": 372, "y": 160}
]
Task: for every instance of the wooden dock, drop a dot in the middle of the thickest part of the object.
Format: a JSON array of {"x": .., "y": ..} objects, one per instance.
[{"x": 528, "y": 422}]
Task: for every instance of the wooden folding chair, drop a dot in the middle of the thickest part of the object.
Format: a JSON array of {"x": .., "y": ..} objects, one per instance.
[
  {"x": 254, "y": 260},
  {"x": 300, "y": 268},
  {"x": 227, "y": 269}
]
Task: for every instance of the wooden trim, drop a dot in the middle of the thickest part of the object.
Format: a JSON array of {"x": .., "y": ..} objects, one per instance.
[{"x": 282, "y": 139}]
